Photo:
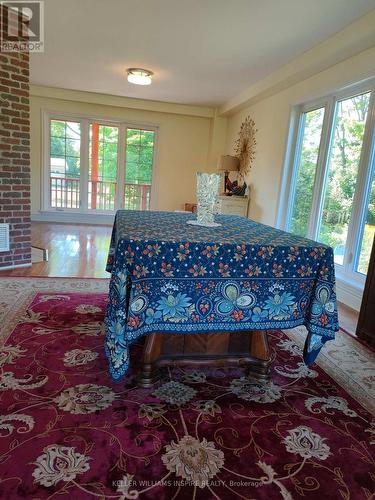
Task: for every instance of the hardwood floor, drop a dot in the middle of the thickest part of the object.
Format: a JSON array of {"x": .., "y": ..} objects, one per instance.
[
  {"x": 75, "y": 250},
  {"x": 80, "y": 250}
]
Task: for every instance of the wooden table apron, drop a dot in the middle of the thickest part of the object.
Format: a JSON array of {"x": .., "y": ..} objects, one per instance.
[
  {"x": 208, "y": 295},
  {"x": 248, "y": 349}
]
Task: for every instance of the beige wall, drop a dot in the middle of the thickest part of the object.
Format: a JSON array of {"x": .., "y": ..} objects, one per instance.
[
  {"x": 272, "y": 115},
  {"x": 187, "y": 143}
]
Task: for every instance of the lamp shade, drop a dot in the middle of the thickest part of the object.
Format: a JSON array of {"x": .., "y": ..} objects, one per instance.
[{"x": 228, "y": 163}]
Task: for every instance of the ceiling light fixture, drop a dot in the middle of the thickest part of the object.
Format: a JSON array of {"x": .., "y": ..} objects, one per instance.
[{"x": 139, "y": 76}]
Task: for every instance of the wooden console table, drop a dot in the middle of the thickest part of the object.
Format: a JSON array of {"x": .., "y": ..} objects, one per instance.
[{"x": 247, "y": 349}]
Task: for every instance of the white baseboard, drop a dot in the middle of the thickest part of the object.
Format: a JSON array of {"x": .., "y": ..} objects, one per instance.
[
  {"x": 349, "y": 295},
  {"x": 5, "y": 268},
  {"x": 39, "y": 254},
  {"x": 78, "y": 218}
]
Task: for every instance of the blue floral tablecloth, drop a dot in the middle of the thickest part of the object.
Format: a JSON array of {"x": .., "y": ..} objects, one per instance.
[{"x": 169, "y": 276}]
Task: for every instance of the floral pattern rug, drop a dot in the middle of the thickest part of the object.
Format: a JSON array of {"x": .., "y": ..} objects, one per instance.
[{"x": 66, "y": 430}]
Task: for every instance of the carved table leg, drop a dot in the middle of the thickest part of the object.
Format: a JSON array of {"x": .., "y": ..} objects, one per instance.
[
  {"x": 151, "y": 353},
  {"x": 260, "y": 352}
]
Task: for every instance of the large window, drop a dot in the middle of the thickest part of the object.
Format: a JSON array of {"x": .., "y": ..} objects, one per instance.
[
  {"x": 330, "y": 194},
  {"x": 97, "y": 165}
]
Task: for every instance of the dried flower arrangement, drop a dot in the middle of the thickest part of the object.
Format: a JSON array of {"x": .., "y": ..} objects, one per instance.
[{"x": 244, "y": 147}]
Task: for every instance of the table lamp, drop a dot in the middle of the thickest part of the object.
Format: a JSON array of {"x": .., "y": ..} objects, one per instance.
[{"x": 228, "y": 163}]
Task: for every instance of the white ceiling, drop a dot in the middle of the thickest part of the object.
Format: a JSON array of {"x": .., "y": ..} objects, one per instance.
[{"x": 202, "y": 51}]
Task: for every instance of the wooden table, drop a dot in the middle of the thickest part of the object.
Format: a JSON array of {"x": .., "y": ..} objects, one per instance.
[
  {"x": 246, "y": 349},
  {"x": 187, "y": 283}
]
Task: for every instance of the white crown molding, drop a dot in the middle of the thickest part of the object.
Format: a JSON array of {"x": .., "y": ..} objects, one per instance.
[{"x": 121, "y": 102}]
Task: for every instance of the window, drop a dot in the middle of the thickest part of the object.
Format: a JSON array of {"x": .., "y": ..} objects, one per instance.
[
  {"x": 65, "y": 147},
  {"x": 342, "y": 172},
  {"x": 97, "y": 165},
  {"x": 367, "y": 230},
  {"x": 103, "y": 163},
  {"x": 330, "y": 195},
  {"x": 311, "y": 131},
  {"x": 139, "y": 160}
]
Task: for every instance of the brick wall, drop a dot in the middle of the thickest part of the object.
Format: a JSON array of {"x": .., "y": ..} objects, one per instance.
[{"x": 15, "y": 155}]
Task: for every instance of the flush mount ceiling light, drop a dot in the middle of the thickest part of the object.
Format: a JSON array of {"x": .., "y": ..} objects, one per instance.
[{"x": 139, "y": 76}]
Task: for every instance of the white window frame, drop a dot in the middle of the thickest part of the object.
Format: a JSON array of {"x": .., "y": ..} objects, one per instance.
[
  {"x": 345, "y": 272},
  {"x": 85, "y": 121}
]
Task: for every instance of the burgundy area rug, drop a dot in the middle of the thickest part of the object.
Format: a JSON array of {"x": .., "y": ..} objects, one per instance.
[{"x": 67, "y": 431}]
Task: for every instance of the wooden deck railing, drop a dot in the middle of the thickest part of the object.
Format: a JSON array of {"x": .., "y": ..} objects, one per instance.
[
  {"x": 102, "y": 195},
  {"x": 137, "y": 196},
  {"x": 65, "y": 193}
]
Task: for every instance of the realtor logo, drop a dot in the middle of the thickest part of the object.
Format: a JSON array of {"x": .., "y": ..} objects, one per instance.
[{"x": 22, "y": 26}]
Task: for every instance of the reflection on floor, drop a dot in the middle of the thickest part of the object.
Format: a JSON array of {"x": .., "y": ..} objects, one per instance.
[
  {"x": 80, "y": 250},
  {"x": 73, "y": 250}
]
